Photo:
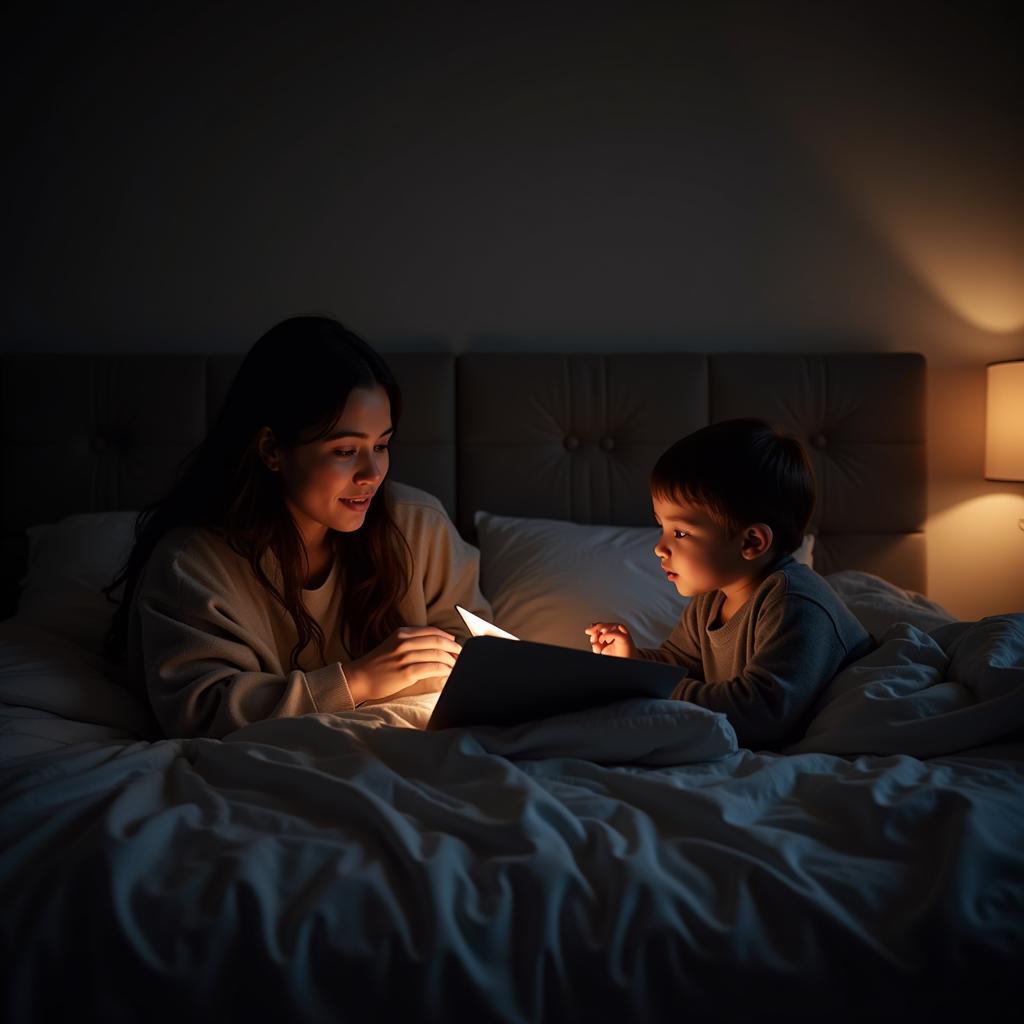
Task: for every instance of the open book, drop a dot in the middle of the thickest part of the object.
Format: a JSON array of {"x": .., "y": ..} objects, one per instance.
[{"x": 501, "y": 680}]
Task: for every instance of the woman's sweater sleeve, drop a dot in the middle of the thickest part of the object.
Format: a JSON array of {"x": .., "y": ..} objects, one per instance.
[
  {"x": 208, "y": 669},
  {"x": 450, "y": 571}
]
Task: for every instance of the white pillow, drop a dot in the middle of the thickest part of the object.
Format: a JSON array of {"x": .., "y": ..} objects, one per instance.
[
  {"x": 69, "y": 564},
  {"x": 547, "y": 579}
]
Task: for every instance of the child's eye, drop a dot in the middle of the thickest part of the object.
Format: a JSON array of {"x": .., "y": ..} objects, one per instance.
[{"x": 680, "y": 534}]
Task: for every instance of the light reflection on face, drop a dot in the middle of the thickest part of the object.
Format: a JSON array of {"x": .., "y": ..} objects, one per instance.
[
  {"x": 696, "y": 552},
  {"x": 330, "y": 483}
]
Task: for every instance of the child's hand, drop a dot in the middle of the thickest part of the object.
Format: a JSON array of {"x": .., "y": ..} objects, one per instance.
[{"x": 611, "y": 638}]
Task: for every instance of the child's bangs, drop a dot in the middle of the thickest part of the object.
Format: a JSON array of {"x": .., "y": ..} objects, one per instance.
[{"x": 691, "y": 494}]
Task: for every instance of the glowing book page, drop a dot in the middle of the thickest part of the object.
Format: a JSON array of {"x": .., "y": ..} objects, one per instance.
[{"x": 481, "y": 627}]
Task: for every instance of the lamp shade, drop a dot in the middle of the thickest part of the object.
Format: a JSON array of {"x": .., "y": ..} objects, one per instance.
[{"x": 1004, "y": 421}]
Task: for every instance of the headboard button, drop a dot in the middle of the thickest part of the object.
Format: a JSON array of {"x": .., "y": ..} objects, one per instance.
[
  {"x": 819, "y": 441},
  {"x": 607, "y": 444},
  {"x": 571, "y": 442}
]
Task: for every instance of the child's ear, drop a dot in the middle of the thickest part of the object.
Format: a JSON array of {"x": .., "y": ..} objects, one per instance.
[{"x": 757, "y": 539}]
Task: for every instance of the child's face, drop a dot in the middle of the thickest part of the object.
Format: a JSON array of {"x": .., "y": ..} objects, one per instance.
[{"x": 696, "y": 553}]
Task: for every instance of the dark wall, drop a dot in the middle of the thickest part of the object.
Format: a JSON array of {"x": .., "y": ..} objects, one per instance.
[{"x": 185, "y": 178}]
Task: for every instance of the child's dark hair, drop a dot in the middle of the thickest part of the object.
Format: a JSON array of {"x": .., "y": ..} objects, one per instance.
[{"x": 742, "y": 471}]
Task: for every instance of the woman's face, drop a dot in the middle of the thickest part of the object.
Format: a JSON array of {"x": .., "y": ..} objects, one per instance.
[{"x": 330, "y": 483}]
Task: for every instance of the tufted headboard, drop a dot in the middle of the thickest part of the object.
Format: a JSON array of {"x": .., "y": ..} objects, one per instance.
[{"x": 559, "y": 436}]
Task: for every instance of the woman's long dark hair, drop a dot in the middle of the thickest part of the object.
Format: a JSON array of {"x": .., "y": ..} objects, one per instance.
[{"x": 296, "y": 380}]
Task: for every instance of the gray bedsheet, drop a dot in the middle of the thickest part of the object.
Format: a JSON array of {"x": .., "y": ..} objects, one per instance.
[{"x": 627, "y": 863}]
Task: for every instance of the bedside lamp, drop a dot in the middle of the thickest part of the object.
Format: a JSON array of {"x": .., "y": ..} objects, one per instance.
[{"x": 1004, "y": 421}]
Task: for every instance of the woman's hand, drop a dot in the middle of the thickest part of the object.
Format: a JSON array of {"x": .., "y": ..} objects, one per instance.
[
  {"x": 611, "y": 638},
  {"x": 409, "y": 655}
]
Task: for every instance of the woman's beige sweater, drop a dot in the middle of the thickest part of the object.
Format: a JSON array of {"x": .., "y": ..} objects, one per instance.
[{"x": 214, "y": 646}]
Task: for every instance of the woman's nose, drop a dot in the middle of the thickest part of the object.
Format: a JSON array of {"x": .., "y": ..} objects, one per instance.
[{"x": 369, "y": 469}]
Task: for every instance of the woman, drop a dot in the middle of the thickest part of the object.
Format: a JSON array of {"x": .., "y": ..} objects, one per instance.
[{"x": 284, "y": 574}]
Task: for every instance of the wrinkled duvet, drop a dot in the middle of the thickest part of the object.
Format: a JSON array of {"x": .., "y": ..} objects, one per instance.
[{"x": 628, "y": 863}]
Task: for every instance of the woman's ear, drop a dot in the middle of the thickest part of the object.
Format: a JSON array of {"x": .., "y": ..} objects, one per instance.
[
  {"x": 267, "y": 449},
  {"x": 757, "y": 539}
]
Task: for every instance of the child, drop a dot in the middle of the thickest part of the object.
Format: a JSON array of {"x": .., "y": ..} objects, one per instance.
[{"x": 763, "y": 633}]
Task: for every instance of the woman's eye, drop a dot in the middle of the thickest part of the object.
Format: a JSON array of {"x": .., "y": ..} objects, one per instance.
[
  {"x": 381, "y": 448},
  {"x": 345, "y": 452}
]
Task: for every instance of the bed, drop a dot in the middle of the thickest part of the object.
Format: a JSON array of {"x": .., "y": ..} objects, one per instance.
[{"x": 630, "y": 862}]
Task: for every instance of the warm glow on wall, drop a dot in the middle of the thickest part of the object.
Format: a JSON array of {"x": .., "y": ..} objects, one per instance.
[
  {"x": 979, "y": 278},
  {"x": 1004, "y": 421},
  {"x": 961, "y": 236},
  {"x": 938, "y": 183}
]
